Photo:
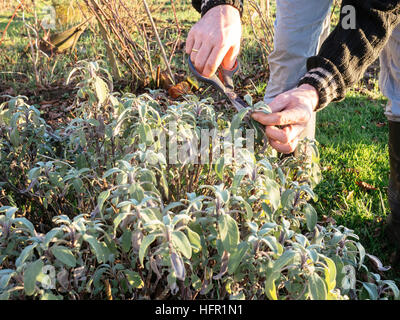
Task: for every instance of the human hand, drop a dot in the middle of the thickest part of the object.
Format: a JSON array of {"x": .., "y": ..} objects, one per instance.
[
  {"x": 292, "y": 110},
  {"x": 215, "y": 40}
]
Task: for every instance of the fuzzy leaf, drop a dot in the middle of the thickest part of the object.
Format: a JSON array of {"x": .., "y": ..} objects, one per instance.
[
  {"x": 134, "y": 279},
  {"x": 146, "y": 242},
  {"x": 317, "y": 287},
  {"x": 178, "y": 266},
  {"x": 229, "y": 232},
  {"x": 311, "y": 217},
  {"x": 181, "y": 243},
  {"x": 64, "y": 255},
  {"x": 30, "y": 275}
]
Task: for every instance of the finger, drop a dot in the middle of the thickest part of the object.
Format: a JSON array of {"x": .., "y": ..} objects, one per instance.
[
  {"x": 282, "y": 118},
  {"x": 284, "y": 147},
  {"x": 214, "y": 60},
  {"x": 202, "y": 56},
  {"x": 286, "y": 134},
  {"x": 195, "y": 50},
  {"x": 190, "y": 42}
]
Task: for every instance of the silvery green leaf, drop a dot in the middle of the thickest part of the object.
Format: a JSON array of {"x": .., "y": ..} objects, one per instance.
[
  {"x": 272, "y": 243},
  {"x": 10, "y": 212},
  {"x": 178, "y": 266},
  {"x": 261, "y": 106},
  {"x": 110, "y": 172},
  {"x": 96, "y": 247},
  {"x": 219, "y": 167},
  {"x": 287, "y": 198},
  {"x": 238, "y": 119},
  {"x": 330, "y": 274},
  {"x": 361, "y": 251},
  {"x": 5, "y": 279},
  {"x": 30, "y": 275},
  {"x": 194, "y": 239},
  {"x": 102, "y": 198},
  {"x": 253, "y": 226},
  {"x": 171, "y": 206},
  {"x": 145, "y": 243},
  {"x": 236, "y": 257},
  {"x": 25, "y": 254},
  {"x": 119, "y": 218},
  {"x": 102, "y": 90},
  {"x": 179, "y": 217},
  {"x": 134, "y": 279},
  {"x": 229, "y": 232},
  {"x": 274, "y": 195},
  {"x": 248, "y": 99},
  {"x": 51, "y": 296},
  {"x": 181, "y": 243},
  {"x": 372, "y": 290},
  {"x": 27, "y": 224},
  {"x": 302, "y": 240},
  {"x": 65, "y": 255},
  {"x": 378, "y": 264},
  {"x": 312, "y": 254},
  {"x": 317, "y": 288},
  {"x": 311, "y": 217},
  {"x": 392, "y": 285},
  {"x": 285, "y": 259},
  {"x": 223, "y": 195}
]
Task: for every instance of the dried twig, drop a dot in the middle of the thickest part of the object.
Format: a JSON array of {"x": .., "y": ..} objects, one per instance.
[
  {"x": 9, "y": 22},
  {"x": 265, "y": 24},
  {"x": 159, "y": 41}
]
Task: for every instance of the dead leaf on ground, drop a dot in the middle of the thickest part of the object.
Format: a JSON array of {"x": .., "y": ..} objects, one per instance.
[
  {"x": 179, "y": 90},
  {"x": 365, "y": 186}
]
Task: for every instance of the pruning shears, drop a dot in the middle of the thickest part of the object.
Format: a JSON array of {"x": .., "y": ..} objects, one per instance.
[{"x": 223, "y": 82}]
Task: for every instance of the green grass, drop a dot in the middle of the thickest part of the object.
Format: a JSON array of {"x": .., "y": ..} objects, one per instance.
[
  {"x": 353, "y": 143},
  {"x": 353, "y": 146}
]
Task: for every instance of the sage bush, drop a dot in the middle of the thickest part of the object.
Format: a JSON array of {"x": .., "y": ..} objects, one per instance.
[{"x": 94, "y": 209}]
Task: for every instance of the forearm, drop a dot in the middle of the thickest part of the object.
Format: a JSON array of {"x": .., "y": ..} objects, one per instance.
[
  {"x": 203, "y": 6},
  {"x": 345, "y": 55}
]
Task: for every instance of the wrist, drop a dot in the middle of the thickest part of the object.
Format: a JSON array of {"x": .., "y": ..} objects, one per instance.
[
  {"x": 224, "y": 6},
  {"x": 312, "y": 93},
  {"x": 224, "y": 9}
]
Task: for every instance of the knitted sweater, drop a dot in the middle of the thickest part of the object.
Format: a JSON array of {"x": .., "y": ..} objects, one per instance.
[{"x": 346, "y": 53}]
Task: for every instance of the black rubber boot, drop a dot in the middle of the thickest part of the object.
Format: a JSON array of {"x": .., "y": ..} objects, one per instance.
[{"x": 393, "y": 222}]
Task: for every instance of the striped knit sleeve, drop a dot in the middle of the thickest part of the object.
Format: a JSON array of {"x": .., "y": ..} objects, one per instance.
[
  {"x": 203, "y": 6},
  {"x": 347, "y": 52}
]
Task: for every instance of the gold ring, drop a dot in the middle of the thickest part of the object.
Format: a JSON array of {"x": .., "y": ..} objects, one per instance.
[{"x": 195, "y": 50}]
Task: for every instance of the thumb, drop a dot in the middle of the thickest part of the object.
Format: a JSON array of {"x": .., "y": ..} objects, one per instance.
[{"x": 279, "y": 103}]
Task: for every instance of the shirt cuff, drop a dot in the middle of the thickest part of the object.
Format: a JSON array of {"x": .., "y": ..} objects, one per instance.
[
  {"x": 328, "y": 82},
  {"x": 208, "y": 4}
]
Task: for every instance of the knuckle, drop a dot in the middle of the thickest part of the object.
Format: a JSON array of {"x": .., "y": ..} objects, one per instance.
[
  {"x": 285, "y": 138},
  {"x": 219, "y": 39},
  {"x": 280, "y": 117},
  {"x": 209, "y": 66}
]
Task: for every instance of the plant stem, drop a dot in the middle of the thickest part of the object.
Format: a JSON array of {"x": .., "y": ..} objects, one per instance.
[{"x": 159, "y": 41}]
